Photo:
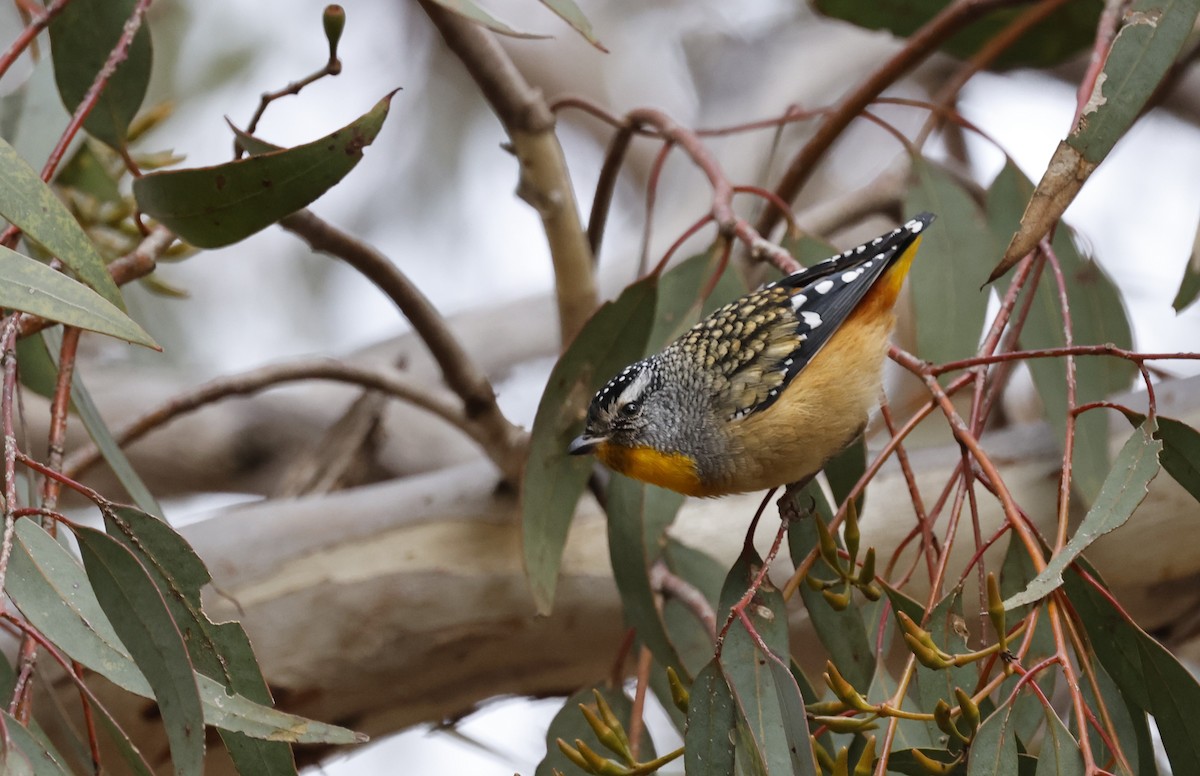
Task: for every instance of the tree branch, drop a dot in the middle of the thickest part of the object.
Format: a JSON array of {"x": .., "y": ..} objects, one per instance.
[
  {"x": 545, "y": 182},
  {"x": 395, "y": 385},
  {"x": 920, "y": 45},
  {"x": 502, "y": 441}
]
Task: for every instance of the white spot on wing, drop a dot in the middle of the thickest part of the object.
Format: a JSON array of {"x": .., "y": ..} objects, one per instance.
[
  {"x": 798, "y": 301},
  {"x": 824, "y": 287},
  {"x": 811, "y": 319}
]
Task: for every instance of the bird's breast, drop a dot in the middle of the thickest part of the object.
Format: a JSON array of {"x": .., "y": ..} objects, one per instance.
[{"x": 674, "y": 471}]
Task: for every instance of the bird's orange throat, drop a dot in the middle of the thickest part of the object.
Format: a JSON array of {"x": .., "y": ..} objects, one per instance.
[{"x": 674, "y": 471}]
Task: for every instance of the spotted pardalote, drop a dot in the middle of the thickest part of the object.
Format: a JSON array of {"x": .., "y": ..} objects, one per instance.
[{"x": 766, "y": 389}]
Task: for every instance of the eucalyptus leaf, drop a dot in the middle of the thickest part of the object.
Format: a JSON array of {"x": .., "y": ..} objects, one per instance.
[
  {"x": 32, "y": 287},
  {"x": 712, "y": 721},
  {"x": 138, "y": 613},
  {"x": 612, "y": 338},
  {"x": 1149, "y": 676},
  {"x": 82, "y": 38},
  {"x": 210, "y": 207},
  {"x": 1124, "y": 488}
]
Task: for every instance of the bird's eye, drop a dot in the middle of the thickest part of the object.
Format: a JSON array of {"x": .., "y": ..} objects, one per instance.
[{"x": 629, "y": 409}]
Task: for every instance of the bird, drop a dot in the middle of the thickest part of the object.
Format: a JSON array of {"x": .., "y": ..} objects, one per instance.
[{"x": 767, "y": 388}]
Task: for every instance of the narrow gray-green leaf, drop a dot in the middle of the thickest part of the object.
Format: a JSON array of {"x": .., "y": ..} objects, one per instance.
[
  {"x": 242, "y": 715},
  {"x": 51, "y": 589},
  {"x": 1097, "y": 316},
  {"x": 638, "y": 514},
  {"x": 32, "y": 287},
  {"x": 994, "y": 749},
  {"x": 1150, "y": 38},
  {"x": 712, "y": 720},
  {"x": 220, "y": 652},
  {"x": 612, "y": 338},
  {"x": 1124, "y": 488},
  {"x": 27, "y": 202},
  {"x": 841, "y": 632},
  {"x": 570, "y": 13},
  {"x": 767, "y": 741},
  {"x": 138, "y": 613},
  {"x": 1148, "y": 675},
  {"x": 81, "y": 39},
  {"x": 215, "y": 206},
  {"x": 1189, "y": 286},
  {"x": 1060, "y": 754},
  {"x": 1181, "y": 450},
  {"x": 25, "y": 755},
  {"x": 949, "y": 268}
]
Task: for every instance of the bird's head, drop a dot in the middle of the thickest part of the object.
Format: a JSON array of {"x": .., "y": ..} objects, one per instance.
[
  {"x": 637, "y": 426},
  {"x": 628, "y": 412}
]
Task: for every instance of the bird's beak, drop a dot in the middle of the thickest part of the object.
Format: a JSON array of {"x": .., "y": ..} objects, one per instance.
[{"x": 583, "y": 444}]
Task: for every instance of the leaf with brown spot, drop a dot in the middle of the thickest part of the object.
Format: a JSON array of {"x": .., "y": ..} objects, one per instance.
[
  {"x": 1141, "y": 54},
  {"x": 215, "y": 206}
]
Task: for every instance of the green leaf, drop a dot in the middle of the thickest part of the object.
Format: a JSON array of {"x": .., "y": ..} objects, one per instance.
[
  {"x": 950, "y": 267},
  {"x": 1129, "y": 724},
  {"x": 97, "y": 428},
  {"x": 994, "y": 749},
  {"x": 843, "y": 633},
  {"x": 1189, "y": 286},
  {"x": 1015, "y": 574},
  {"x": 138, "y": 613},
  {"x": 25, "y": 754},
  {"x": 210, "y": 207},
  {"x": 27, "y": 202},
  {"x": 1060, "y": 754},
  {"x": 844, "y": 470},
  {"x": 1062, "y": 34},
  {"x": 1124, "y": 488},
  {"x": 570, "y": 725},
  {"x": 638, "y": 515},
  {"x": 613, "y": 337},
  {"x": 32, "y": 287},
  {"x": 242, "y": 715},
  {"x": 759, "y": 698},
  {"x": 570, "y": 13},
  {"x": 221, "y": 652},
  {"x": 1181, "y": 450},
  {"x": 1148, "y": 675},
  {"x": 712, "y": 720},
  {"x": 51, "y": 589},
  {"x": 81, "y": 39},
  {"x": 1097, "y": 316},
  {"x": 691, "y": 639},
  {"x": 795, "y": 719},
  {"x": 1150, "y": 38}
]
